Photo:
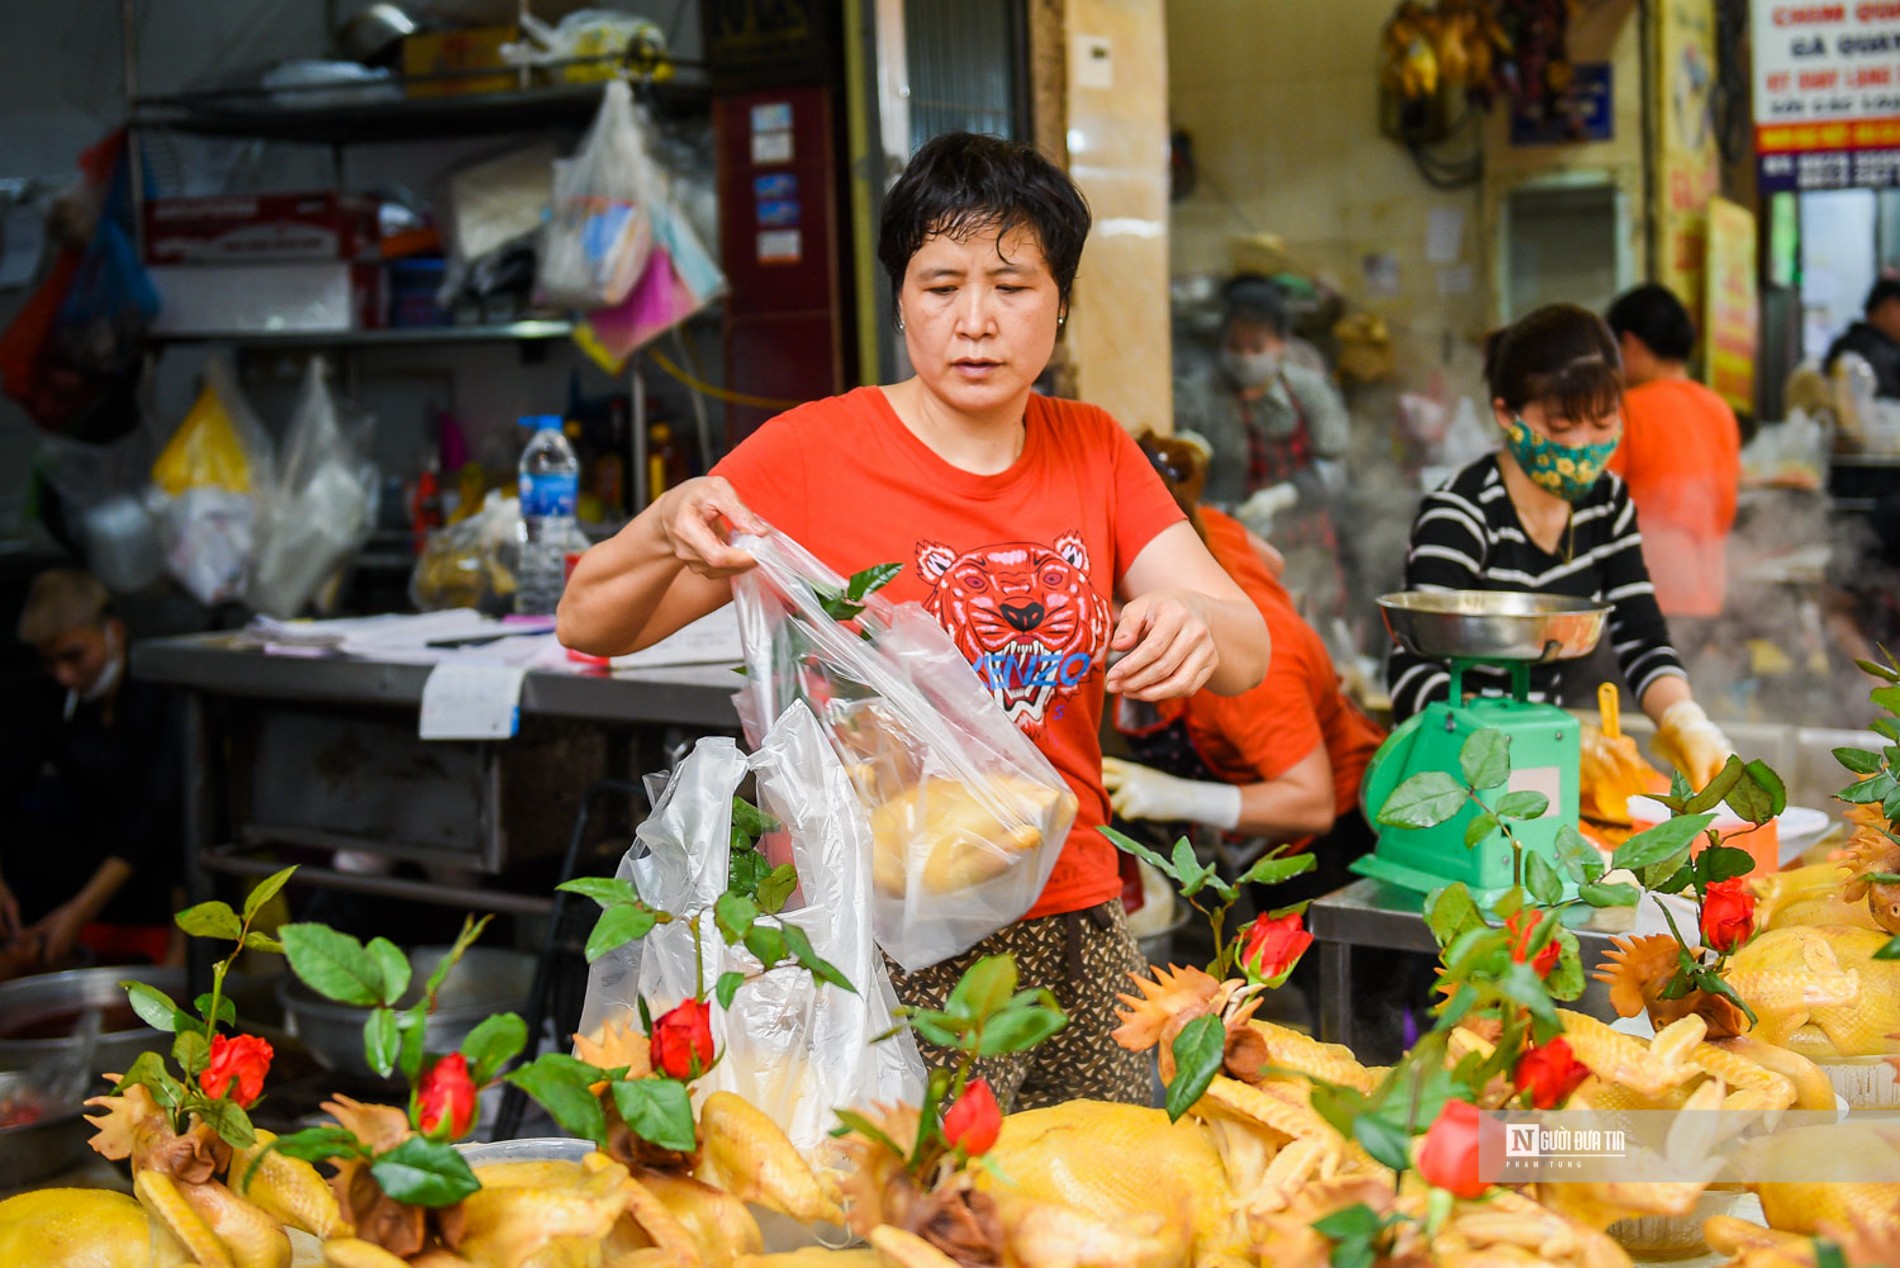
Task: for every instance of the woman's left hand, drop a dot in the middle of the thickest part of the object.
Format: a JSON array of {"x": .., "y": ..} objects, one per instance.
[{"x": 1169, "y": 648}]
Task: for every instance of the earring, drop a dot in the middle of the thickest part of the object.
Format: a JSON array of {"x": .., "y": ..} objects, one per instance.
[{"x": 900, "y": 323}]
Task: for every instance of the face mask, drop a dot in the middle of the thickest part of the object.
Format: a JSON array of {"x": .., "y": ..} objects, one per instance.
[
  {"x": 102, "y": 685},
  {"x": 1250, "y": 369},
  {"x": 1569, "y": 471}
]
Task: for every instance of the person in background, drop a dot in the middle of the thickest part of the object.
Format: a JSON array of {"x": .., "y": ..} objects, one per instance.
[
  {"x": 1279, "y": 433},
  {"x": 1019, "y": 520},
  {"x": 1283, "y": 761},
  {"x": 1681, "y": 458},
  {"x": 1545, "y": 516},
  {"x": 91, "y": 787},
  {"x": 1876, "y": 339}
]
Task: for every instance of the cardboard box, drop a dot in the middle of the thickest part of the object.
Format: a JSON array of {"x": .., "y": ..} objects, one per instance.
[
  {"x": 441, "y": 52},
  {"x": 241, "y": 228},
  {"x": 202, "y": 299}
]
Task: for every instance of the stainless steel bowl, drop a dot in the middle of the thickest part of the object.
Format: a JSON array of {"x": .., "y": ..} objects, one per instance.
[
  {"x": 1493, "y": 624},
  {"x": 31, "y": 1152},
  {"x": 55, "y": 1001},
  {"x": 489, "y": 980}
]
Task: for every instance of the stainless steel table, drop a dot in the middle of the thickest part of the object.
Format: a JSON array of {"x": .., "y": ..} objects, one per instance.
[{"x": 1374, "y": 915}]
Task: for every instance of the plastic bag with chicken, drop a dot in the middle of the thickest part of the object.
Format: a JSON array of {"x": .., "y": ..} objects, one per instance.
[
  {"x": 790, "y": 1045},
  {"x": 966, "y": 817}
]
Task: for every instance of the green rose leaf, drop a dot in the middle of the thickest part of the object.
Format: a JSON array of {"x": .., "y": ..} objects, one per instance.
[
  {"x": 393, "y": 965},
  {"x": 1486, "y": 758},
  {"x": 1392, "y": 1146},
  {"x": 1450, "y": 912},
  {"x": 1886, "y": 673},
  {"x": 1339, "y": 1106},
  {"x": 1523, "y": 804},
  {"x": 155, "y": 1008},
  {"x": 1887, "y": 698},
  {"x": 1858, "y": 760},
  {"x": 210, "y": 920},
  {"x": 424, "y": 1172},
  {"x": 726, "y": 987},
  {"x": 734, "y": 914},
  {"x": 413, "y": 1022},
  {"x": 1722, "y": 863},
  {"x": 799, "y": 945},
  {"x": 1542, "y": 880},
  {"x": 854, "y": 1123},
  {"x": 1356, "y": 1221},
  {"x": 1889, "y": 952},
  {"x": 766, "y": 943},
  {"x": 1425, "y": 800},
  {"x": 1566, "y": 980},
  {"x": 776, "y": 888},
  {"x": 1653, "y": 845},
  {"x": 1188, "y": 868},
  {"x": 1274, "y": 869},
  {"x": 1867, "y": 791},
  {"x": 493, "y": 1044},
  {"x": 1020, "y": 1029},
  {"x": 985, "y": 987},
  {"x": 1719, "y": 788},
  {"x": 871, "y": 580},
  {"x": 1482, "y": 825},
  {"x": 228, "y": 1119},
  {"x": 255, "y": 941},
  {"x": 1581, "y": 861},
  {"x": 604, "y": 890},
  {"x": 265, "y": 890},
  {"x": 382, "y": 1041},
  {"x": 191, "y": 1052},
  {"x": 1128, "y": 845},
  {"x": 334, "y": 965},
  {"x": 1760, "y": 795},
  {"x": 1597, "y": 894},
  {"x": 658, "y": 1111},
  {"x": 148, "y": 1070},
  {"x": 618, "y": 925},
  {"x": 1198, "y": 1052},
  {"x": 751, "y": 820},
  {"x": 563, "y": 1087}
]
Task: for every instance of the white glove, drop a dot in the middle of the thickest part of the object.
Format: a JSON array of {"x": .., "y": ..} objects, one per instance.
[
  {"x": 1691, "y": 743},
  {"x": 1141, "y": 792},
  {"x": 1258, "y": 511}
]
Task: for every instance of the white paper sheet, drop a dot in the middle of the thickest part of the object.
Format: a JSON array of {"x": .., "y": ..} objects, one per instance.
[
  {"x": 472, "y": 701},
  {"x": 1444, "y": 235}
]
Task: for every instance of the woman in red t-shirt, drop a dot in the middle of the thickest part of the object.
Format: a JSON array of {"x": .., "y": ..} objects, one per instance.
[{"x": 1020, "y": 521}]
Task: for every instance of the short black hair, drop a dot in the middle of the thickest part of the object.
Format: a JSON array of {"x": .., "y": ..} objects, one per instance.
[
  {"x": 1656, "y": 317},
  {"x": 964, "y": 183},
  {"x": 1251, "y": 297},
  {"x": 1885, "y": 289},
  {"x": 1562, "y": 355}
]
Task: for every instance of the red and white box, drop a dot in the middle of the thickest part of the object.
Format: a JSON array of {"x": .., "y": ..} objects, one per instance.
[{"x": 255, "y": 228}]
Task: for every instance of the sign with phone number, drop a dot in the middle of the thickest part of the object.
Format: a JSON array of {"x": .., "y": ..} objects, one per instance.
[{"x": 1827, "y": 94}]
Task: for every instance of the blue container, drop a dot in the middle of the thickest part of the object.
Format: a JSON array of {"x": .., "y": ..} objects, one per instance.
[{"x": 412, "y": 289}]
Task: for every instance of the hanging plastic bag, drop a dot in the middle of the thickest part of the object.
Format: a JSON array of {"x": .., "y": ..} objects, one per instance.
[
  {"x": 599, "y": 230},
  {"x": 471, "y": 563},
  {"x": 321, "y": 509},
  {"x": 966, "y": 817},
  {"x": 206, "y": 489},
  {"x": 797, "y": 1049}
]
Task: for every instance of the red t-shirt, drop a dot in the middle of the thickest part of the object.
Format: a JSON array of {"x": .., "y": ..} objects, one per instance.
[
  {"x": 1019, "y": 567},
  {"x": 1682, "y": 459},
  {"x": 1260, "y": 734}
]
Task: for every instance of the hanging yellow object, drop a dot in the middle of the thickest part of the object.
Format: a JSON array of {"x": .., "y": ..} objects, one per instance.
[{"x": 206, "y": 451}]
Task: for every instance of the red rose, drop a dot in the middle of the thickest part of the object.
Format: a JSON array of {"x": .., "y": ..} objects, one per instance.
[
  {"x": 1728, "y": 915},
  {"x": 446, "y": 1097},
  {"x": 1523, "y": 925},
  {"x": 1274, "y": 946},
  {"x": 1448, "y": 1158},
  {"x": 243, "y": 1060},
  {"x": 682, "y": 1043},
  {"x": 974, "y": 1120},
  {"x": 1550, "y": 1073}
]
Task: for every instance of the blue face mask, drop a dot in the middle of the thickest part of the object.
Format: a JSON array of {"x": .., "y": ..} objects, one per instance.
[{"x": 1569, "y": 471}]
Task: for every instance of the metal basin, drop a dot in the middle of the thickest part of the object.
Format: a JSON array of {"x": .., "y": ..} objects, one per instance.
[
  {"x": 38, "y": 1013},
  {"x": 52, "y": 1142},
  {"x": 488, "y": 980},
  {"x": 1493, "y": 624}
]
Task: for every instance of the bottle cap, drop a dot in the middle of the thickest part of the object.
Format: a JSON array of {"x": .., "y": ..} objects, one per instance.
[{"x": 541, "y": 422}]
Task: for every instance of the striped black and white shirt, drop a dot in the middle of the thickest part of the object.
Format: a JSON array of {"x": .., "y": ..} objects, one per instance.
[{"x": 1468, "y": 537}]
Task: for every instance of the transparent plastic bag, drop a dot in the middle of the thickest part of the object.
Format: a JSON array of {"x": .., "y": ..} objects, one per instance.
[
  {"x": 206, "y": 490},
  {"x": 600, "y": 232},
  {"x": 795, "y": 1048},
  {"x": 966, "y": 818},
  {"x": 471, "y": 563}
]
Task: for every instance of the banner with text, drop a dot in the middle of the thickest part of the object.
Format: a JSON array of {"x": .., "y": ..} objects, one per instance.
[{"x": 1827, "y": 94}]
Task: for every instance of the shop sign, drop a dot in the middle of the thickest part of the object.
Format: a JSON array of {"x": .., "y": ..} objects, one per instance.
[
  {"x": 1582, "y": 113},
  {"x": 1827, "y": 94},
  {"x": 1730, "y": 305}
]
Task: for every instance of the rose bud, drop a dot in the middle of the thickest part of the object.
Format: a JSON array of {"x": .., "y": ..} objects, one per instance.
[
  {"x": 446, "y": 1098},
  {"x": 682, "y": 1042},
  {"x": 242, "y": 1060},
  {"x": 1273, "y": 947},
  {"x": 1448, "y": 1157},
  {"x": 1728, "y": 915},
  {"x": 1550, "y": 1073},
  {"x": 973, "y": 1122},
  {"x": 1523, "y": 925}
]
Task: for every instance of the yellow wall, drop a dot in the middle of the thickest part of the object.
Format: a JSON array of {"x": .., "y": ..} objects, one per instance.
[{"x": 1117, "y": 136}]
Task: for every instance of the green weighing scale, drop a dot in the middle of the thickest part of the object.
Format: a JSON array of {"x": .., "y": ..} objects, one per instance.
[{"x": 1467, "y": 628}]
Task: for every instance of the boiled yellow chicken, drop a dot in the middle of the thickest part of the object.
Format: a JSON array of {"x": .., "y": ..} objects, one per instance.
[
  {"x": 1818, "y": 991},
  {"x": 1750, "y": 1245},
  {"x": 947, "y": 836},
  {"x": 84, "y": 1228},
  {"x": 1811, "y": 895}
]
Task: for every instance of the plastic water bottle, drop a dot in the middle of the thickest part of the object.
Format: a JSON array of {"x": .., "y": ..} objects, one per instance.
[{"x": 550, "y": 481}]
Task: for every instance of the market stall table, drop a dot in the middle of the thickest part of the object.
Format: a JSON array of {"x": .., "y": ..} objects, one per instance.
[{"x": 1372, "y": 914}]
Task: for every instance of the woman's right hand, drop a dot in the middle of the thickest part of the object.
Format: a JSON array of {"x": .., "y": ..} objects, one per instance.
[{"x": 693, "y": 518}]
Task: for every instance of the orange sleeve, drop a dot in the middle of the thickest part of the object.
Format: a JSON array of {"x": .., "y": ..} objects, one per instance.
[
  {"x": 1143, "y": 505},
  {"x": 767, "y": 468},
  {"x": 1272, "y": 727}
]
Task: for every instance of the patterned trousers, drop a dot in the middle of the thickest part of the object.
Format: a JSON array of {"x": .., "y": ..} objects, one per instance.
[{"x": 1084, "y": 957}]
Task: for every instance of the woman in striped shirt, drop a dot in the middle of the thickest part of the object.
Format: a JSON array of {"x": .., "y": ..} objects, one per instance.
[{"x": 1543, "y": 515}]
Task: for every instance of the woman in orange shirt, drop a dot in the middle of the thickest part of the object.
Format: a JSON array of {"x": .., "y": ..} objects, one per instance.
[{"x": 1282, "y": 761}]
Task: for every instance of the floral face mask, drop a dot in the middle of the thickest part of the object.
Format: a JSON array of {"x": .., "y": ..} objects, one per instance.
[{"x": 1569, "y": 471}]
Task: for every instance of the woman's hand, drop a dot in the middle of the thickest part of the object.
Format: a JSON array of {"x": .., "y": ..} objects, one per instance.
[
  {"x": 1170, "y": 651},
  {"x": 692, "y": 519}
]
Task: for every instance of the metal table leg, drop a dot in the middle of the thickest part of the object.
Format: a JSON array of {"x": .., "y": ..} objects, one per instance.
[{"x": 1335, "y": 992}]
